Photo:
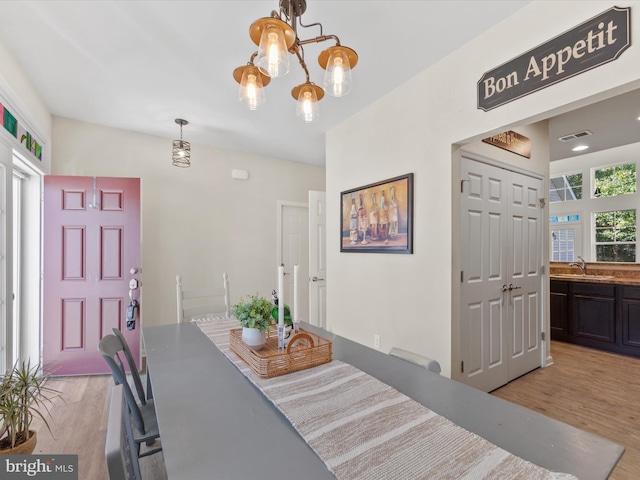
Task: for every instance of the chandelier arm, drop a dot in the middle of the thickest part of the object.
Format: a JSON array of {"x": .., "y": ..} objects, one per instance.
[
  {"x": 319, "y": 39},
  {"x": 310, "y": 25},
  {"x": 303, "y": 65}
]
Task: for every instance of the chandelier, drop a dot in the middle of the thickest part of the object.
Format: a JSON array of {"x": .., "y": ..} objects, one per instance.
[
  {"x": 277, "y": 37},
  {"x": 181, "y": 152}
]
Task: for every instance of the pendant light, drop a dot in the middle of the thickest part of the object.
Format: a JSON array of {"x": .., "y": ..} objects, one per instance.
[
  {"x": 252, "y": 82},
  {"x": 277, "y": 37},
  {"x": 181, "y": 149}
]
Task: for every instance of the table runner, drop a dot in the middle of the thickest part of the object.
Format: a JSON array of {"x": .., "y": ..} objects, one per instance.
[{"x": 362, "y": 428}]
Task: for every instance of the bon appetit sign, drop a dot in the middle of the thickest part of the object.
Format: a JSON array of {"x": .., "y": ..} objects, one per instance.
[{"x": 591, "y": 44}]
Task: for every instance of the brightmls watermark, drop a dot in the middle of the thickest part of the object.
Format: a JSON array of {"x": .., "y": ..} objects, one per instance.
[{"x": 51, "y": 467}]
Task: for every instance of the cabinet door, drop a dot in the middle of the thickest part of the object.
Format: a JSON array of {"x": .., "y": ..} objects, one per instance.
[
  {"x": 594, "y": 314},
  {"x": 631, "y": 317},
  {"x": 559, "y": 303}
]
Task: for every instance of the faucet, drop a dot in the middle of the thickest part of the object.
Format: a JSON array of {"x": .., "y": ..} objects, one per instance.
[{"x": 582, "y": 265}]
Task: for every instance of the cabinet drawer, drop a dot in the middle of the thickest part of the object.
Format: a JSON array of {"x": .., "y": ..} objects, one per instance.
[
  {"x": 630, "y": 292},
  {"x": 594, "y": 289},
  {"x": 559, "y": 286}
]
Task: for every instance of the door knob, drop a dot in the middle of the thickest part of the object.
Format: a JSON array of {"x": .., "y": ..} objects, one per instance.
[{"x": 316, "y": 279}]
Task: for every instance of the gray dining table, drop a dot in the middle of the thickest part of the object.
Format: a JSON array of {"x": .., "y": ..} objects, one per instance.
[{"x": 214, "y": 424}]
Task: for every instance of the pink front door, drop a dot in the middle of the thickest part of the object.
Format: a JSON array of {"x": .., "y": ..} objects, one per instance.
[{"x": 91, "y": 243}]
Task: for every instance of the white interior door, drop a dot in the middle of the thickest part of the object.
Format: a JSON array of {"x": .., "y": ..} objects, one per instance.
[
  {"x": 295, "y": 251},
  {"x": 317, "y": 259},
  {"x": 501, "y": 255}
]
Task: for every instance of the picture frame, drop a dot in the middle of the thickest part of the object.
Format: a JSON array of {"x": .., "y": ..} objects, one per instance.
[{"x": 378, "y": 218}]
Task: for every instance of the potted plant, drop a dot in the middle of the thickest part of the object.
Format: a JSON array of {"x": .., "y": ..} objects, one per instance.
[
  {"x": 254, "y": 314},
  {"x": 24, "y": 395}
]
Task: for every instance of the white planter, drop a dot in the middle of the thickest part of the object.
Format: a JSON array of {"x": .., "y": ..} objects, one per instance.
[{"x": 254, "y": 337}]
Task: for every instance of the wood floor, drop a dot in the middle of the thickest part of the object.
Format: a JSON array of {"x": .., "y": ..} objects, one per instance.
[
  {"x": 79, "y": 427},
  {"x": 595, "y": 391}
]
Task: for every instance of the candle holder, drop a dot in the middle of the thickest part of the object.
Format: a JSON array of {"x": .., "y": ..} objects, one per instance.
[
  {"x": 296, "y": 326},
  {"x": 281, "y": 333}
]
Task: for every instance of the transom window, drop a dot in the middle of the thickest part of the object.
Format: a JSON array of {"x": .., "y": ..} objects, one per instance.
[
  {"x": 565, "y": 188},
  {"x": 615, "y": 236},
  {"x": 612, "y": 181}
]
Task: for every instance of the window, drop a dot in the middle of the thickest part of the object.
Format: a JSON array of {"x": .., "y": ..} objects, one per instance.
[
  {"x": 612, "y": 181},
  {"x": 565, "y": 188},
  {"x": 615, "y": 236},
  {"x": 563, "y": 245},
  {"x": 566, "y": 235}
]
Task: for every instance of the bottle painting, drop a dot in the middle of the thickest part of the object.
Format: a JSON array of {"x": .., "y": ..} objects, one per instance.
[
  {"x": 393, "y": 214},
  {"x": 363, "y": 222},
  {"x": 373, "y": 218},
  {"x": 383, "y": 223},
  {"x": 353, "y": 223}
]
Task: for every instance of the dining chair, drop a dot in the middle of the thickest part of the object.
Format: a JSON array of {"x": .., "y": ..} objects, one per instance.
[
  {"x": 203, "y": 302},
  {"x": 119, "y": 448},
  {"x": 144, "y": 418},
  {"x": 426, "y": 362},
  {"x": 133, "y": 369}
]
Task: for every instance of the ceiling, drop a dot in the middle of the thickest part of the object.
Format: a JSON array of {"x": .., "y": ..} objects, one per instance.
[
  {"x": 138, "y": 65},
  {"x": 612, "y": 123}
]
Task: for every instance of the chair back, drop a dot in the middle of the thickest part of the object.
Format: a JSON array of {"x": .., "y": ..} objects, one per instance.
[
  {"x": 133, "y": 369},
  {"x": 120, "y": 449},
  {"x": 426, "y": 362},
  {"x": 110, "y": 347},
  {"x": 202, "y": 302}
]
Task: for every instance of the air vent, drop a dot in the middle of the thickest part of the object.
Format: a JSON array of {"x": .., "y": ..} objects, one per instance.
[{"x": 573, "y": 136}]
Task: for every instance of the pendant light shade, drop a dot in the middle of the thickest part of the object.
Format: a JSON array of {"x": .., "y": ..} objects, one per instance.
[
  {"x": 337, "y": 61},
  {"x": 273, "y": 56},
  {"x": 181, "y": 149},
  {"x": 252, "y": 83},
  {"x": 308, "y": 95}
]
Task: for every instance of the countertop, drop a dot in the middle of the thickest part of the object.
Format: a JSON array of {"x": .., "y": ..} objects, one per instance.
[
  {"x": 595, "y": 278},
  {"x": 597, "y": 272}
]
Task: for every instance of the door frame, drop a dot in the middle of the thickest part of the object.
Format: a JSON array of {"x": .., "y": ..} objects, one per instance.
[{"x": 458, "y": 154}]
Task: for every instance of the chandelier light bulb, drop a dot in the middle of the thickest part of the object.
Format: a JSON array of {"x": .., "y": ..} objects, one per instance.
[
  {"x": 307, "y": 107},
  {"x": 251, "y": 93},
  {"x": 273, "y": 57},
  {"x": 337, "y": 77}
]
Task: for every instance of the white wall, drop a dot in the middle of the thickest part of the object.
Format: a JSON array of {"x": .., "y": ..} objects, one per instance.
[
  {"x": 18, "y": 94},
  {"x": 407, "y": 299},
  {"x": 196, "y": 220}
]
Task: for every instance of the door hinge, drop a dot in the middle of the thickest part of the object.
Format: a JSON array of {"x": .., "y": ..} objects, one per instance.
[
  {"x": 462, "y": 186},
  {"x": 461, "y": 276},
  {"x": 542, "y": 336},
  {"x": 462, "y": 366},
  {"x": 542, "y": 270}
]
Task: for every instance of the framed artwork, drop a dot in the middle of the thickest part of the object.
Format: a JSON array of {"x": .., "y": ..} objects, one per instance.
[{"x": 378, "y": 218}]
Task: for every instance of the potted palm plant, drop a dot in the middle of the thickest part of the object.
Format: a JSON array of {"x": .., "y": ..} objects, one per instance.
[
  {"x": 24, "y": 395},
  {"x": 254, "y": 314}
]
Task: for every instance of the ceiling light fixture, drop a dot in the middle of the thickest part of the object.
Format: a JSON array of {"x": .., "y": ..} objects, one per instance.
[
  {"x": 276, "y": 37},
  {"x": 580, "y": 148},
  {"x": 181, "y": 149}
]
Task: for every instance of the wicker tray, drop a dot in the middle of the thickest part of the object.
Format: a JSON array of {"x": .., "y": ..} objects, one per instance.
[{"x": 305, "y": 350}]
